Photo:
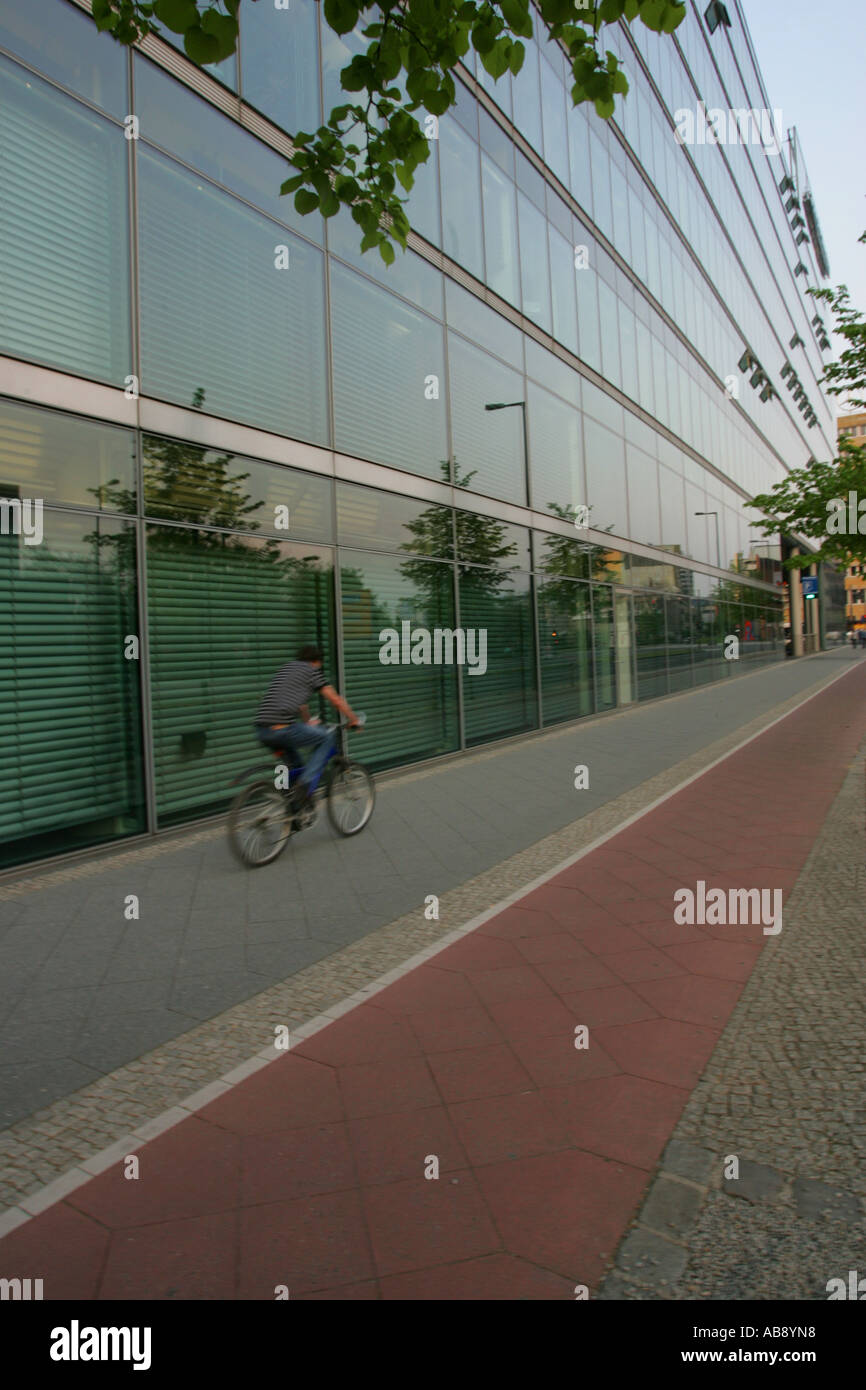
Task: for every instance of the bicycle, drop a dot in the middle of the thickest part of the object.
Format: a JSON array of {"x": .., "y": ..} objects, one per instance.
[{"x": 262, "y": 818}]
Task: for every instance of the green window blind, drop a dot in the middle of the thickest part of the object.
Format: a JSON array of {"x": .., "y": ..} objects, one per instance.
[
  {"x": 69, "y": 703},
  {"x": 64, "y": 246},
  {"x": 565, "y": 646},
  {"x": 411, "y": 709},
  {"x": 225, "y": 613},
  {"x": 503, "y": 700}
]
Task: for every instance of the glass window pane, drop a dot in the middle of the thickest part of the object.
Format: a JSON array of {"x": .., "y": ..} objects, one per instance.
[
  {"x": 374, "y": 520},
  {"x": 643, "y": 496},
  {"x": 62, "y": 458},
  {"x": 649, "y": 624},
  {"x": 422, "y": 206},
  {"x": 62, "y": 167},
  {"x": 65, "y": 44},
  {"x": 475, "y": 320},
  {"x": 562, "y": 271},
  {"x": 555, "y": 132},
  {"x": 578, "y": 140},
  {"x": 461, "y": 197},
  {"x": 408, "y": 275},
  {"x": 556, "y": 455},
  {"x": 484, "y": 540},
  {"x": 389, "y": 378},
  {"x": 600, "y": 169},
  {"x": 206, "y": 487},
  {"x": 238, "y": 352},
  {"x": 411, "y": 706},
  {"x": 500, "y": 232},
  {"x": 534, "y": 263},
  {"x": 66, "y": 606},
  {"x": 565, "y": 649},
  {"x": 604, "y": 646},
  {"x": 607, "y": 303},
  {"x": 496, "y": 143},
  {"x": 501, "y": 698},
  {"x": 589, "y": 336},
  {"x": 224, "y": 613},
  {"x": 488, "y": 446},
  {"x": 527, "y": 97},
  {"x": 185, "y": 125},
  {"x": 338, "y": 50},
  {"x": 280, "y": 63},
  {"x": 605, "y": 478},
  {"x": 672, "y": 500}
]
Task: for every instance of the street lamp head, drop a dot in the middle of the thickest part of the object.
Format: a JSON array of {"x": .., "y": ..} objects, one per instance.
[{"x": 498, "y": 405}]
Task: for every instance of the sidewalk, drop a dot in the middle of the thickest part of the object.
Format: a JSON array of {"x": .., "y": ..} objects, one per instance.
[{"x": 310, "y": 1173}]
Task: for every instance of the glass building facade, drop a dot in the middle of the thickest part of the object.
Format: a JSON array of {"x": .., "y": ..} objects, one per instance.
[{"x": 246, "y": 435}]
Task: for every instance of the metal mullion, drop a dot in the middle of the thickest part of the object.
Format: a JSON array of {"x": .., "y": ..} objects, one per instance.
[{"x": 144, "y": 669}]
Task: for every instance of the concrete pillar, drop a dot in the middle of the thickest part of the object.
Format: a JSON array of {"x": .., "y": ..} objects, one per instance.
[{"x": 795, "y": 603}]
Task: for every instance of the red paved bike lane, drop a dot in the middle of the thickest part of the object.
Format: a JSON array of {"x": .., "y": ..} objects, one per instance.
[{"x": 310, "y": 1174}]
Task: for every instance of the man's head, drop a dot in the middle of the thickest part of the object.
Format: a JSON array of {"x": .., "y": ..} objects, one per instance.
[{"x": 311, "y": 654}]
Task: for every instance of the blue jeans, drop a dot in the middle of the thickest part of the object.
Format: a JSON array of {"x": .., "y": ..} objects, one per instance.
[{"x": 297, "y": 736}]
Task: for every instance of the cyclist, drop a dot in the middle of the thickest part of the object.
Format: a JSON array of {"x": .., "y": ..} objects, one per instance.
[{"x": 283, "y": 720}]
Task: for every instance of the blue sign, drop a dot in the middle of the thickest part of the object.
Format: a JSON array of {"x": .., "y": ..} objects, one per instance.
[{"x": 810, "y": 587}]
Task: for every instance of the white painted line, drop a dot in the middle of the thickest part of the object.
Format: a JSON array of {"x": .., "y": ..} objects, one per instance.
[
  {"x": 12, "y": 1219},
  {"x": 152, "y": 1128},
  {"x": 68, "y": 1182},
  {"x": 106, "y": 1158},
  {"x": 61, "y": 1187},
  {"x": 203, "y": 1097},
  {"x": 240, "y": 1073}
]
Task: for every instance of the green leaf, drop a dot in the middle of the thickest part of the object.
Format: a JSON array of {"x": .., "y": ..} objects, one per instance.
[
  {"x": 341, "y": 15},
  {"x": 516, "y": 57},
  {"x": 516, "y": 14},
  {"x": 177, "y": 15},
  {"x": 306, "y": 201},
  {"x": 496, "y": 61},
  {"x": 201, "y": 47},
  {"x": 387, "y": 252},
  {"x": 224, "y": 29}
]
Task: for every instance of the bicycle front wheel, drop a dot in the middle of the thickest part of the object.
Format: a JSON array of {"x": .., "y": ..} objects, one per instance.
[
  {"x": 259, "y": 828},
  {"x": 351, "y": 796}
]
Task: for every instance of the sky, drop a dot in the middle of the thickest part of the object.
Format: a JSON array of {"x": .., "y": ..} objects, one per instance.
[{"x": 812, "y": 59}]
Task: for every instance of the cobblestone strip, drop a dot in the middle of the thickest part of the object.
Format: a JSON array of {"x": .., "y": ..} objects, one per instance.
[
  {"x": 38, "y": 1150},
  {"x": 783, "y": 1094}
]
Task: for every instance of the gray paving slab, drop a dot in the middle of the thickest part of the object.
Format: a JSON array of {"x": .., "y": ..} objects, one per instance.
[{"x": 215, "y": 930}]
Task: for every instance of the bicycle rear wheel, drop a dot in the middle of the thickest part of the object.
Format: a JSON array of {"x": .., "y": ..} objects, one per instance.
[
  {"x": 351, "y": 796},
  {"x": 259, "y": 828}
]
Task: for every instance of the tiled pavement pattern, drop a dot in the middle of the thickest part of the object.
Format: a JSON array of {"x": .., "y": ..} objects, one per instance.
[
  {"x": 311, "y": 1173},
  {"x": 784, "y": 1093},
  {"x": 37, "y": 1149}
]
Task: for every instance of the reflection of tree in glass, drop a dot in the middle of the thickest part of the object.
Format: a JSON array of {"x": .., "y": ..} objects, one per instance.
[
  {"x": 567, "y": 557},
  {"x": 185, "y": 482},
  {"x": 480, "y": 541}
]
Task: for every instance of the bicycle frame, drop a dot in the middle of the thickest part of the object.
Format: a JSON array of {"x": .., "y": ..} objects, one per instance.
[{"x": 259, "y": 768}]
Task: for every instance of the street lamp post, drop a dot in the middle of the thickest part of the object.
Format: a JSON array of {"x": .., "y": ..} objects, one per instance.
[
  {"x": 718, "y": 547},
  {"x": 510, "y": 405}
]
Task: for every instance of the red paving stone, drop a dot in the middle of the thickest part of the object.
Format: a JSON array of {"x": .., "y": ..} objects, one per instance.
[{"x": 311, "y": 1173}]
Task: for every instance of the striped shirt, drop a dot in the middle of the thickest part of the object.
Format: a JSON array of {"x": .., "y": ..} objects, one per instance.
[{"x": 290, "y": 688}]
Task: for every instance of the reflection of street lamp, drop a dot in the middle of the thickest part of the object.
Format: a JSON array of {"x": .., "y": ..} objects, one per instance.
[
  {"x": 718, "y": 547},
  {"x": 509, "y": 405}
]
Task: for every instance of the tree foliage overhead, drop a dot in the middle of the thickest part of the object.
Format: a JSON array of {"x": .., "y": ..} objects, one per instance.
[
  {"x": 822, "y": 500},
  {"x": 367, "y": 153}
]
